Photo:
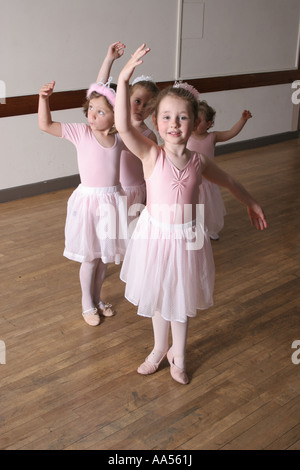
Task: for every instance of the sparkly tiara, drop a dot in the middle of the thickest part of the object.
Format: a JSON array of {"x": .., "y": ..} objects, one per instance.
[
  {"x": 143, "y": 78},
  {"x": 187, "y": 87},
  {"x": 103, "y": 89}
]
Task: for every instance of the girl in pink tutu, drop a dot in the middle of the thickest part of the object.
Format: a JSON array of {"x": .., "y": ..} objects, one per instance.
[
  {"x": 168, "y": 267},
  {"x": 143, "y": 92},
  {"x": 94, "y": 213},
  {"x": 202, "y": 141}
]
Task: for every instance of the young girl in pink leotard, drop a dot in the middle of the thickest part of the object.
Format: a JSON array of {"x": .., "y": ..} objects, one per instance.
[
  {"x": 94, "y": 216},
  {"x": 202, "y": 141},
  {"x": 168, "y": 273},
  {"x": 143, "y": 92}
]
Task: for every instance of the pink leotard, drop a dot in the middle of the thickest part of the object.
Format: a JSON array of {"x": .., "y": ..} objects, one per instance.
[
  {"x": 131, "y": 169},
  {"x": 168, "y": 186},
  {"x": 98, "y": 166},
  {"x": 209, "y": 193},
  {"x": 205, "y": 146}
]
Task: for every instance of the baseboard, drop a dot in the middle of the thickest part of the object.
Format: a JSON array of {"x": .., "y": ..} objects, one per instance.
[
  {"x": 28, "y": 190},
  {"x": 254, "y": 143},
  {"x": 34, "y": 189}
]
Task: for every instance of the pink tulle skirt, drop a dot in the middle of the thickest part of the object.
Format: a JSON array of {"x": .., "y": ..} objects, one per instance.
[
  {"x": 168, "y": 268},
  {"x": 214, "y": 209},
  {"x": 96, "y": 225},
  {"x": 135, "y": 194}
]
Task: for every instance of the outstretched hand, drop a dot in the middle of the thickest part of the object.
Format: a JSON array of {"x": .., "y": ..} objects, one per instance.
[
  {"x": 134, "y": 61},
  {"x": 246, "y": 115},
  {"x": 115, "y": 50},
  {"x": 257, "y": 217},
  {"x": 47, "y": 90}
]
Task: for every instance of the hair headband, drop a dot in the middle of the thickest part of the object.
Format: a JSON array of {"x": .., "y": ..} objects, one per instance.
[
  {"x": 187, "y": 87},
  {"x": 142, "y": 78},
  {"x": 103, "y": 89}
]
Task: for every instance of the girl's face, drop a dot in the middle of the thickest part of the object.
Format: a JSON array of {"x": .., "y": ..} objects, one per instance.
[
  {"x": 203, "y": 125},
  {"x": 100, "y": 114},
  {"x": 175, "y": 120},
  {"x": 140, "y": 103}
]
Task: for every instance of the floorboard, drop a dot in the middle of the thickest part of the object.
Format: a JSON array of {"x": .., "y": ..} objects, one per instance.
[{"x": 68, "y": 386}]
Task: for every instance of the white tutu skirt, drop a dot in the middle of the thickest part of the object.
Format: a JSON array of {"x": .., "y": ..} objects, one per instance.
[
  {"x": 214, "y": 208},
  {"x": 168, "y": 268},
  {"x": 96, "y": 225}
]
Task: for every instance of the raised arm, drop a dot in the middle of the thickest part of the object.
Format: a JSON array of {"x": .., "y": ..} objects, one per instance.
[
  {"x": 44, "y": 114},
  {"x": 138, "y": 144},
  {"x": 114, "y": 51},
  {"x": 215, "y": 174},
  {"x": 223, "y": 136}
]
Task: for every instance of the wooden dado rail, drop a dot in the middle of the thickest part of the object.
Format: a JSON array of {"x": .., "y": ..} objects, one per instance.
[{"x": 28, "y": 104}]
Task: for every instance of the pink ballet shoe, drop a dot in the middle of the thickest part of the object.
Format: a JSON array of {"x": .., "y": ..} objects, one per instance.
[
  {"x": 214, "y": 236},
  {"x": 105, "y": 309},
  {"x": 177, "y": 374},
  {"x": 148, "y": 367},
  {"x": 91, "y": 316}
]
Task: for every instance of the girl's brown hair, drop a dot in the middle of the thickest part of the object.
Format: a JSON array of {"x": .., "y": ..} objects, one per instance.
[
  {"x": 208, "y": 112},
  {"x": 178, "y": 93},
  {"x": 85, "y": 108},
  {"x": 149, "y": 86}
]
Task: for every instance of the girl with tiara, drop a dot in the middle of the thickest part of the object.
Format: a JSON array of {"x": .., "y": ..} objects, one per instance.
[
  {"x": 143, "y": 93},
  {"x": 94, "y": 214},
  {"x": 203, "y": 141},
  {"x": 168, "y": 267}
]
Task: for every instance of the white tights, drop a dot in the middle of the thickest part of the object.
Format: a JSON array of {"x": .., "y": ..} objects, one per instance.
[
  {"x": 91, "y": 275},
  {"x": 161, "y": 329}
]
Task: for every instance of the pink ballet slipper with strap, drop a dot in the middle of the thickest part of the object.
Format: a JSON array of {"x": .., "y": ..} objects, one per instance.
[
  {"x": 148, "y": 367},
  {"x": 91, "y": 316},
  {"x": 177, "y": 374},
  {"x": 105, "y": 309}
]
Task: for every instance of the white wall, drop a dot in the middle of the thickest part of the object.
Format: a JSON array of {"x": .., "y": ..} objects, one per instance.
[
  {"x": 66, "y": 41},
  {"x": 29, "y": 155},
  {"x": 238, "y": 36},
  {"x": 271, "y": 109}
]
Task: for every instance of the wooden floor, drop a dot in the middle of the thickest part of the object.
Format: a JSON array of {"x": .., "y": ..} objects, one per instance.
[{"x": 66, "y": 385}]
